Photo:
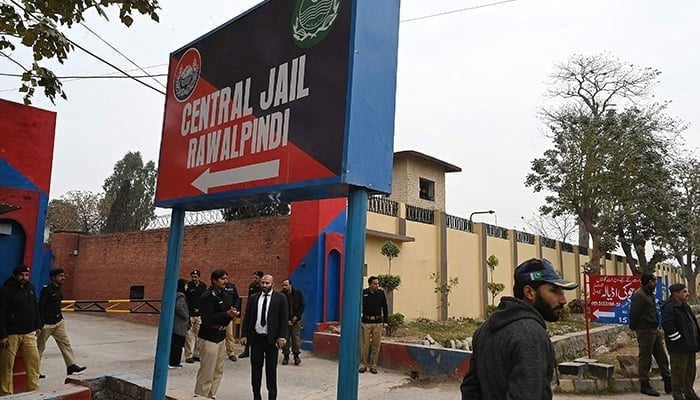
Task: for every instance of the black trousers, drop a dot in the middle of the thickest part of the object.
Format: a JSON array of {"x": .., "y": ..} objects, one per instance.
[
  {"x": 176, "y": 345},
  {"x": 263, "y": 353}
]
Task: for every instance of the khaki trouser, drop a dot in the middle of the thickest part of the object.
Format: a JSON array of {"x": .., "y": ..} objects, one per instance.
[
  {"x": 230, "y": 340},
  {"x": 58, "y": 331},
  {"x": 294, "y": 339},
  {"x": 371, "y": 339},
  {"x": 27, "y": 345},
  {"x": 211, "y": 368},
  {"x": 651, "y": 342},
  {"x": 191, "y": 340},
  {"x": 683, "y": 375}
]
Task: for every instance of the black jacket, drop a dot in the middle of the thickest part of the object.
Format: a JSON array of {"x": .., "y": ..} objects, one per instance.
[
  {"x": 513, "y": 357},
  {"x": 230, "y": 288},
  {"x": 194, "y": 297},
  {"x": 19, "y": 313},
  {"x": 296, "y": 304},
  {"x": 277, "y": 317},
  {"x": 50, "y": 304},
  {"x": 643, "y": 313},
  {"x": 680, "y": 327},
  {"x": 215, "y": 305}
]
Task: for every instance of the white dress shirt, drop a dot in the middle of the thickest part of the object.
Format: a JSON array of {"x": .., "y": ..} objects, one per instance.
[{"x": 258, "y": 327}]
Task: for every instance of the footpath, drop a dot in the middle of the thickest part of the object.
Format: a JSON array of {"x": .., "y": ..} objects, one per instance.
[{"x": 107, "y": 345}]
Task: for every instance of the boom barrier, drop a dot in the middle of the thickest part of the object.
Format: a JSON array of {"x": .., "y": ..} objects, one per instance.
[{"x": 112, "y": 306}]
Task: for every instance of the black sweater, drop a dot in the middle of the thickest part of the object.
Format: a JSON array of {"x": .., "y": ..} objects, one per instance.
[
  {"x": 50, "y": 304},
  {"x": 19, "y": 312}
]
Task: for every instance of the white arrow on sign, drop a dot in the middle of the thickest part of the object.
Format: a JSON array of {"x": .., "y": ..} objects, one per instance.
[
  {"x": 249, "y": 173},
  {"x": 603, "y": 314}
]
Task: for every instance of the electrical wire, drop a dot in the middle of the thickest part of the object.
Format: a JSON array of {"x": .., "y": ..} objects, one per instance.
[
  {"x": 77, "y": 77},
  {"x": 121, "y": 54},
  {"x": 89, "y": 52},
  {"x": 440, "y": 14}
]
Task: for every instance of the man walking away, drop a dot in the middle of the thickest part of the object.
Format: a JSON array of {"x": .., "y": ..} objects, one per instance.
[
  {"x": 375, "y": 317},
  {"x": 19, "y": 326},
  {"x": 193, "y": 292},
  {"x": 513, "y": 357},
  {"x": 53, "y": 323},
  {"x": 295, "y": 299},
  {"x": 681, "y": 329},
  {"x": 645, "y": 321}
]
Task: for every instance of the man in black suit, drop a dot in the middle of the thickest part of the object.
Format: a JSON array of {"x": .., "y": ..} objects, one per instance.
[{"x": 265, "y": 329}]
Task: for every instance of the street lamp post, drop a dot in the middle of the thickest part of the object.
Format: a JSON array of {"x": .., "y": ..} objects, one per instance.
[{"x": 479, "y": 212}]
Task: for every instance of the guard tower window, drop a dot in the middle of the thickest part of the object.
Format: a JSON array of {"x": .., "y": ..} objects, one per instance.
[{"x": 427, "y": 189}]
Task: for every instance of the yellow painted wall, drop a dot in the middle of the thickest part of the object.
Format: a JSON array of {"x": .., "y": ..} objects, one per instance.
[
  {"x": 463, "y": 262},
  {"x": 504, "y": 271},
  {"x": 381, "y": 222},
  {"x": 418, "y": 260},
  {"x": 415, "y": 297},
  {"x": 553, "y": 256},
  {"x": 526, "y": 251}
]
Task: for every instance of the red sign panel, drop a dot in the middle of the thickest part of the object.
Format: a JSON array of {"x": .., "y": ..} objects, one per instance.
[{"x": 611, "y": 296}]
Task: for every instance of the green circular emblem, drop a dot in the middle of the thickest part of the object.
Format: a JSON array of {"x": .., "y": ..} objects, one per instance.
[{"x": 312, "y": 21}]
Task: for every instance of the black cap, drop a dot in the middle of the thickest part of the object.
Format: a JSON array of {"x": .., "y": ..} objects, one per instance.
[
  {"x": 259, "y": 274},
  {"x": 195, "y": 272},
  {"x": 676, "y": 287},
  {"x": 20, "y": 269},
  {"x": 646, "y": 278},
  {"x": 56, "y": 271}
]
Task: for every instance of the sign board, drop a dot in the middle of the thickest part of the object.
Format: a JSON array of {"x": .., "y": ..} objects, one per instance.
[
  {"x": 293, "y": 100},
  {"x": 611, "y": 296}
]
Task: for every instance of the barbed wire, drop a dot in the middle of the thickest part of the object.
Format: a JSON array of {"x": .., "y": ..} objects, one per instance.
[{"x": 191, "y": 218}]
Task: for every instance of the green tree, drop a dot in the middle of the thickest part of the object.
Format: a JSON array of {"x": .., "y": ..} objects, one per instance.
[
  {"x": 255, "y": 211},
  {"x": 492, "y": 263},
  {"x": 598, "y": 154},
  {"x": 37, "y": 25},
  {"x": 681, "y": 237},
  {"x": 390, "y": 250},
  {"x": 129, "y": 194},
  {"x": 77, "y": 210}
]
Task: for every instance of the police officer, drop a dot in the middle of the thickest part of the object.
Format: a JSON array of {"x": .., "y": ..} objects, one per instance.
[
  {"x": 52, "y": 318},
  {"x": 193, "y": 293},
  {"x": 217, "y": 311},
  {"x": 19, "y": 326}
]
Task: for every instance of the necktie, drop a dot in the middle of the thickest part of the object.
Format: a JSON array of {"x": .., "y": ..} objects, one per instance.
[{"x": 263, "y": 314}]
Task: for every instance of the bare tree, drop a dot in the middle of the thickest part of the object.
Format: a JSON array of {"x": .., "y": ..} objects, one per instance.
[{"x": 561, "y": 228}]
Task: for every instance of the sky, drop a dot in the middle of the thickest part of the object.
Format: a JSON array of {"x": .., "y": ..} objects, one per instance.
[{"x": 469, "y": 85}]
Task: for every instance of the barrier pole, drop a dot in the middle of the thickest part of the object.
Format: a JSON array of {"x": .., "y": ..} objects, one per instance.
[{"x": 167, "y": 309}]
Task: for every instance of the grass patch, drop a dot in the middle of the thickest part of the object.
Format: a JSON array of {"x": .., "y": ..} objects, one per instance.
[{"x": 444, "y": 331}]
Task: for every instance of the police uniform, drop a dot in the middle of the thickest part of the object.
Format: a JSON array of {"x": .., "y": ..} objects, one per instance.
[
  {"x": 212, "y": 335},
  {"x": 193, "y": 293},
  {"x": 19, "y": 321},
  {"x": 54, "y": 324}
]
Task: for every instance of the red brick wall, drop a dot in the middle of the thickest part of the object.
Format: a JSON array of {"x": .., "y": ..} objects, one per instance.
[{"x": 107, "y": 265}]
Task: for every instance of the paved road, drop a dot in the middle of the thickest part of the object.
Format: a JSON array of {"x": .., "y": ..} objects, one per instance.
[{"x": 105, "y": 344}]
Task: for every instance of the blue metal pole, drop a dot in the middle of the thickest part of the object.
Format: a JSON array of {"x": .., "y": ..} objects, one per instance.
[
  {"x": 167, "y": 309},
  {"x": 352, "y": 295}
]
